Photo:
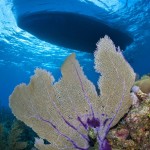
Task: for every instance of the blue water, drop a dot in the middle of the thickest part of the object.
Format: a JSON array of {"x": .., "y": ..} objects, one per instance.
[{"x": 21, "y": 52}]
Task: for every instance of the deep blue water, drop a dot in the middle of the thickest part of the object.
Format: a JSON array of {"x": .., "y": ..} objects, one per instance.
[{"x": 21, "y": 52}]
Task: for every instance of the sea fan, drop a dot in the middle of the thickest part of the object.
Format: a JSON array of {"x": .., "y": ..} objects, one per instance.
[{"x": 69, "y": 113}]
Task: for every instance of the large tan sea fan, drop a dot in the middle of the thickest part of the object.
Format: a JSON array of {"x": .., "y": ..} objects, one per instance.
[{"x": 66, "y": 112}]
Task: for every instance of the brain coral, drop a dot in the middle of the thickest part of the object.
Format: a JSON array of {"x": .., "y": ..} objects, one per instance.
[{"x": 144, "y": 84}]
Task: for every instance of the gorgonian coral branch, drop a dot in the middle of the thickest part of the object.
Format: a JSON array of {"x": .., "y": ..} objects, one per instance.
[{"x": 69, "y": 113}]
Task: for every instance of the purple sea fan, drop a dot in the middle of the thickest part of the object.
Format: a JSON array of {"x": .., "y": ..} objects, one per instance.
[{"x": 69, "y": 113}]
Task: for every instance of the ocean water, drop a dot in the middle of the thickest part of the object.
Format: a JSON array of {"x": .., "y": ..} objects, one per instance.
[{"x": 21, "y": 52}]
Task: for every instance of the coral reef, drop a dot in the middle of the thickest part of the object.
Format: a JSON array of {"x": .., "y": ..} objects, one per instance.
[
  {"x": 14, "y": 134},
  {"x": 69, "y": 113},
  {"x": 14, "y": 137},
  {"x": 133, "y": 132},
  {"x": 10, "y": 139}
]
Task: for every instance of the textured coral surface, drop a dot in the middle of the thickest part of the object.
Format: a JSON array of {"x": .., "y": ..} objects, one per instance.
[{"x": 133, "y": 132}]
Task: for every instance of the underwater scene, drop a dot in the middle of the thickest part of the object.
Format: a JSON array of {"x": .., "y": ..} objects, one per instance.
[{"x": 75, "y": 75}]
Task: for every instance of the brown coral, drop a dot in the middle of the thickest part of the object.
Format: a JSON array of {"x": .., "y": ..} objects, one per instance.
[
  {"x": 144, "y": 84},
  {"x": 11, "y": 139},
  {"x": 14, "y": 137}
]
